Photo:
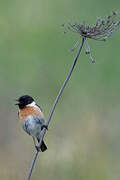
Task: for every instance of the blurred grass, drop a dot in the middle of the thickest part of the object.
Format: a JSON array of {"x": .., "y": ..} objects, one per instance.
[{"x": 83, "y": 138}]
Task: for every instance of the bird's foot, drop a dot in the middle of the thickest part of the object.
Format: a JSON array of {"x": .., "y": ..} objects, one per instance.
[{"x": 44, "y": 126}]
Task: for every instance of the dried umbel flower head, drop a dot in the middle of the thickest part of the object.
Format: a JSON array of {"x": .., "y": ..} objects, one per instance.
[{"x": 100, "y": 31}]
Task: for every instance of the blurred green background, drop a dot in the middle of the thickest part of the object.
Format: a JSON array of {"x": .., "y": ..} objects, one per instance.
[{"x": 84, "y": 135}]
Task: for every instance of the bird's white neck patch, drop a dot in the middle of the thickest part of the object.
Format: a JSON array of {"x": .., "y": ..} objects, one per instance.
[{"x": 33, "y": 104}]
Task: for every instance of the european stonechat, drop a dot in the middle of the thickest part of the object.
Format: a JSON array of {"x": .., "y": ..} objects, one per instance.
[{"x": 32, "y": 119}]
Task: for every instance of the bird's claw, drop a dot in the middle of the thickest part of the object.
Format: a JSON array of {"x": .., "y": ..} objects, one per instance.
[{"x": 44, "y": 126}]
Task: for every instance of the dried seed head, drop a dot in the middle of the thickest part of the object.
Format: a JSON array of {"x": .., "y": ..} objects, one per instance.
[
  {"x": 87, "y": 52},
  {"x": 93, "y": 61},
  {"x": 100, "y": 31}
]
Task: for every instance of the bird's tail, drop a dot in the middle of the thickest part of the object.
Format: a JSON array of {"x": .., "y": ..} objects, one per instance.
[{"x": 43, "y": 146}]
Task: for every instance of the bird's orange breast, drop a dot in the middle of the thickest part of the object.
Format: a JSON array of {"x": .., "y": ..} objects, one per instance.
[{"x": 29, "y": 111}]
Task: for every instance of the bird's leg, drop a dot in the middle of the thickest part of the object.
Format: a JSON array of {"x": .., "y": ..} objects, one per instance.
[{"x": 36, "y": 147}]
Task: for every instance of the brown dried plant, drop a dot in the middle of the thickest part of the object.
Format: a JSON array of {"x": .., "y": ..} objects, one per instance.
[{"x": 101, "y": 30}]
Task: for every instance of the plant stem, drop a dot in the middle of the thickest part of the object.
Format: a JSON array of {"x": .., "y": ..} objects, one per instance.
[{"x": 54, "y": 106}]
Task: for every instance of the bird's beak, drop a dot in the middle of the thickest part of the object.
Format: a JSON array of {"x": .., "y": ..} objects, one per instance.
[
  {"x": 17, "y": 104},
  {"x": 17, "y": 101}
]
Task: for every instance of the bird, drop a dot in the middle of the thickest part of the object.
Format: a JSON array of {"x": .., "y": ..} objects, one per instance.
[{"x": 32, "y": 119}]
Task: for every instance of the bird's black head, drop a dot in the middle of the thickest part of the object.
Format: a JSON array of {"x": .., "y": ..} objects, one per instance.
[{"x": 24, "y": 100}]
